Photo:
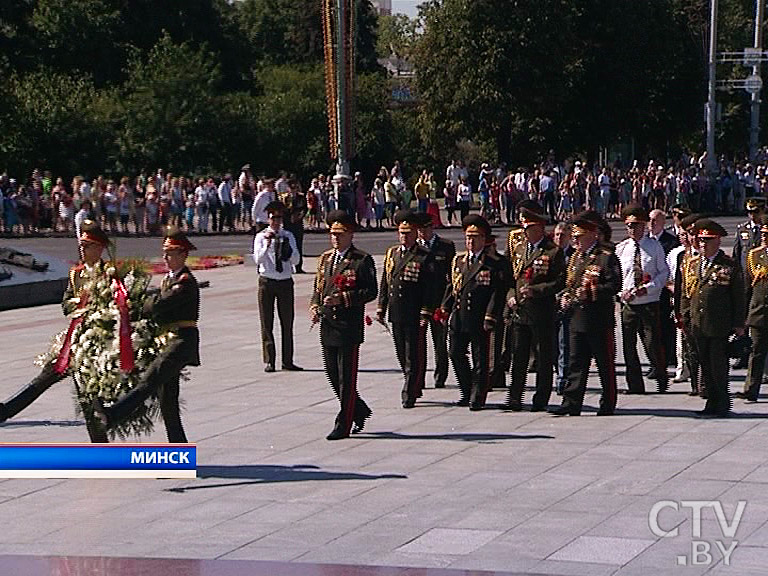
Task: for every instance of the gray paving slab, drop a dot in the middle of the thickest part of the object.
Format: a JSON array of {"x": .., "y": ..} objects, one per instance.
[{"x": 436, "y": 486}]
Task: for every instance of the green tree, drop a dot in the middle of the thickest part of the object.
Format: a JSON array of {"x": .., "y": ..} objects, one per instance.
[
  {"x": 53, "y": 124},
  {"x": 81, "y": 35},
  {"x": 396, "y": 33},
  {"x": 480, "y": 75},
  {"x": 167, "y": 113}
]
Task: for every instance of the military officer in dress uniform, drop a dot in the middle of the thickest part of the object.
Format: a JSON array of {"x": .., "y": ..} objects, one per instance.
[
  {"x": 593, "y": 279},
  {"x": 498, "y": 371},
  {"x": 538, "y": 274},
  {"x": 407, "y": 299},
  {"x": 345, "y": 281},
  {"x": 757, "y": 315},
  {"x": 475, "y": 302},
  {"x": 442, "y": 251},
  {"x": 747, "y": 238},
  {"x": 713, "y": 296},
  {"x": 176, "y": 308},
  {"x": 682, "y": 268},
  {"x": 92, "y": 242},
  {"x": 515, "y": 236}
]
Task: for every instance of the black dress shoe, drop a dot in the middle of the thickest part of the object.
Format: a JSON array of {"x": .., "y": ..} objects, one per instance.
[
  {"x": 409, "y": 403},
  {"x": 475, "y": 407},
  {"x": 463, "y": 402},
  {"x": 513, "y": 406},
  {"x": 269, "y": 368},
  {"x": 336, "y": 435},
  {"x": 439, "y": 384},
  {"x": 605, "y": 412},
  {"x": 536, "y": 408},
  {"x": 564, "y": 411},
  {"x": 292, "y": 368}
]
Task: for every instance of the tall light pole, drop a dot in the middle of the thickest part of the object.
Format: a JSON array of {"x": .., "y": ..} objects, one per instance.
[
  {"x": 754, "y": 112},
  {"x": 339, "y": 50},
  {"x": 711, "y": 160}
]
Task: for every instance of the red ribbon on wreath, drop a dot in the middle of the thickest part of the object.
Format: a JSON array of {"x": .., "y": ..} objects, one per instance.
[
  {"x": 62, "y": 362},
  {"x": 126, "y": 348}
]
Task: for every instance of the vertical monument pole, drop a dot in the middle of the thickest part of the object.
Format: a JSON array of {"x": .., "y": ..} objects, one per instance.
[{"x": 339, "y": 50}]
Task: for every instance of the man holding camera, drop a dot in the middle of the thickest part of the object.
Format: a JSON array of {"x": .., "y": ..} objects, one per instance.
[{"x": 275, "y": 253}]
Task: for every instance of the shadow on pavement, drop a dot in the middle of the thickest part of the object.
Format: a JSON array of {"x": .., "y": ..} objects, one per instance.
[
  {"x": 678, "y": 413},
  {"x": 31, "y": 423},
  {"x": 461, "y": 437},
  {"x": 266, "y": 474}
]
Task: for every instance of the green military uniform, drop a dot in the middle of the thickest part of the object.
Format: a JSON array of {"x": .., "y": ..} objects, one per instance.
[
  {"x": 79, "y": 276},
  {"x": 352, "y": 277},
  {"x": 748, "y": 238},
  {"x": 407, "y": 297},
  {"x": 475, "y": 301},
  {"x": 757, "y": 315},
  {"x": 177, "y": 309},
  {"x": 541, "y": 269},
  {"x": 442, "y": 252},
  {"x": 592, "y": 325},
  {"x": 507, "y": 338},
  {"x": 713, "y": 298}
]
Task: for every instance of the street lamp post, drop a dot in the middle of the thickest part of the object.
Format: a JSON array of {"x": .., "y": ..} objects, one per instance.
[
  {"x": 754, "y": 113},
  {"x": 711, "y": 159}
]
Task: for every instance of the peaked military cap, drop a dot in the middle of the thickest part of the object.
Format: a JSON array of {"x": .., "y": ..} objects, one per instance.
[
  {"x": 690, "y": 220},
  {"x": 175, "y": 239},
  {"x": 407, "y": 220},
  {"x": 339, "y": 221},
  {"x": 91, "y": 233},
  {"x": 474, "y": 225},
  {"x": 635, "y": 213},
  {"x": 708, "y": 228}
]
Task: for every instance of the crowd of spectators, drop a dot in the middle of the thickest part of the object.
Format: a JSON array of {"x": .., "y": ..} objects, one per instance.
[{"x": 141, "y": 205}]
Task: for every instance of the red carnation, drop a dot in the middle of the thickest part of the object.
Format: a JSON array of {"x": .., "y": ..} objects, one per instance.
[
  {"x": 340, "y": 282},
  {"x": 368, "y": 320},
  {"x": 528, "y": 274},
  {"x": 439, "y": 315}
]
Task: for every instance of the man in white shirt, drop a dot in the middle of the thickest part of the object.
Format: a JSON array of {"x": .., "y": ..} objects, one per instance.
[
  {"x": 644, "y": 274},
  {"x": 275, "y": 253},
  {"x": 225, "y": 201},
  {"x": 263, "y": 198}
]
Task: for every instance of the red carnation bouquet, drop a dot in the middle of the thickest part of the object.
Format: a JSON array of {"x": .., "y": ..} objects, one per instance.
[
  {"x": 440, "y": 315},
  {"x": 528, "y": 275}
]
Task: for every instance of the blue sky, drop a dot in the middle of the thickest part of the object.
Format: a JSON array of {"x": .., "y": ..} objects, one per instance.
[{"x": 405, "y": 6}]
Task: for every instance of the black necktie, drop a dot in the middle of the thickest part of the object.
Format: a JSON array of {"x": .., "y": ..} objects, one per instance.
[
  {"x": 278, "y": 261},
  {"x": 637, "y": 267}
]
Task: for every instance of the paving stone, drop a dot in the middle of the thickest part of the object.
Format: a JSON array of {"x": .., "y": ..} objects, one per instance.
[
  {"x": 435, "y": 486},
  {"x": 449, "y": 541},
  {"x": 601, "y": 550}
]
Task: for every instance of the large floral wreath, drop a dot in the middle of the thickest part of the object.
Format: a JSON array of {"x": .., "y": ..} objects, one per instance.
[{"x": 97, "y": 354}]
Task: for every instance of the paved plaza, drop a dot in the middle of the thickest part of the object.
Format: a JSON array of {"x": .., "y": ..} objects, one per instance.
[{"x": 433, "y": 487}]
